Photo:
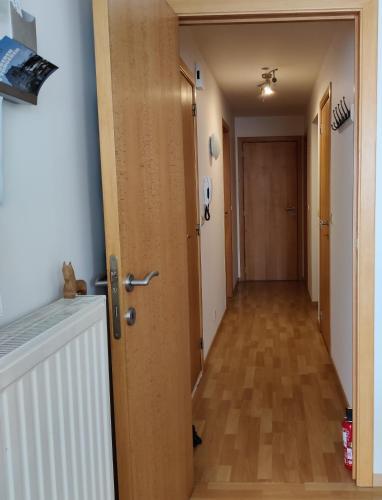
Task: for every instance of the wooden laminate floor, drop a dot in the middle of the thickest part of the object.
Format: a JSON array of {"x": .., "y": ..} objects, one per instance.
[
  {"x": 284, "y": 491},
  {"x": 269, "y": 407}
]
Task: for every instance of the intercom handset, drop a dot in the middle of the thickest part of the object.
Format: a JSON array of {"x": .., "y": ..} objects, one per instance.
[{"x": 207, "y": 195}]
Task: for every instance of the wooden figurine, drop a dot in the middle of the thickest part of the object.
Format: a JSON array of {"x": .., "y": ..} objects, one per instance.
[{"x": 72, "y": 286}]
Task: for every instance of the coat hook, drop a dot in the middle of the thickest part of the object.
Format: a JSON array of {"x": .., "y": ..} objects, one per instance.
[
  {"x": 335, "y": 117},
  {"x": 347, "y": 109},
  {"x": 342, "y": 116},
  {"x": 338, "y": 121},
  {"x": 343, "y": 110},
  {"x": 334, "y": 124}
]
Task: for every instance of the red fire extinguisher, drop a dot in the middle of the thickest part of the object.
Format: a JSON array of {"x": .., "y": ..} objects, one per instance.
[{"x": 347, "y": 436}]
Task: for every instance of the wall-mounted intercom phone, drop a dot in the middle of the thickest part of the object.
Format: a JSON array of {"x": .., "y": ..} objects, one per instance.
[
  {"x": 199, "y": 84},
  {"x": 207, "y": 196}
]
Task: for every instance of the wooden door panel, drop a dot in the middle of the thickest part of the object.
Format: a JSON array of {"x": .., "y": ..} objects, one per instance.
[
  {"x": 271, "y": 210},
  {"x": 325, "y": 148},
  {"x": 144, "y": 205},
  {"x": 192, "y": 219}
]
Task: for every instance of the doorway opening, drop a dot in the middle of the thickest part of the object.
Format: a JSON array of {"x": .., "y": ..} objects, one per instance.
[
  {"x": 269, "y": 364},
  {"x": 150, "y": 361}
]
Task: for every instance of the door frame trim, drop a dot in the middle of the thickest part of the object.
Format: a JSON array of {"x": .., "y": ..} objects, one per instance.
[
  {"x": 185, "y": 71},
  {"x": 117, "y": 356},
  {"x": 365, "y": 15},
  {"x": 227, "y": 131},
  {"x": 327, "y": 96},
  {"x": 300, "y": 212},
  {"x": 188, "y": 19}
]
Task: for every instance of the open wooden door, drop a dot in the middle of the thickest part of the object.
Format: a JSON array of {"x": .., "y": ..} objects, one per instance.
[
  {"x": 325, "y": 148},
  {"x": 140, "y": 121}
]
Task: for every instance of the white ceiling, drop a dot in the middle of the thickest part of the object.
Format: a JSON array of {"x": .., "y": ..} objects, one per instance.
[{"x": 236, "y": 54}]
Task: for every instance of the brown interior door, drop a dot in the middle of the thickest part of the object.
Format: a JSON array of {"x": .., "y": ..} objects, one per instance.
[
  {"x": 227, "y": 211},
  {"x": 192, "y": 213},
  {"x": 271, "y": 210},
  {"x": 140, "y": 120},
  {"x": 324, "y": 302}
]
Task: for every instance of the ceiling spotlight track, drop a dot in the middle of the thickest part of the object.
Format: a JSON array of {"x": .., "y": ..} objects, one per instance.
[{"x": 269, "y": 77}]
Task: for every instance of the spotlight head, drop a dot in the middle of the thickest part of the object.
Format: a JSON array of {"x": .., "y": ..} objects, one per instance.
[{"x": 269, "y": 77}]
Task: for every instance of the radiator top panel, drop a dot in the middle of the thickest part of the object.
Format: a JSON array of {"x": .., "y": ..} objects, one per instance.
[{"x": 28, "y": 328}]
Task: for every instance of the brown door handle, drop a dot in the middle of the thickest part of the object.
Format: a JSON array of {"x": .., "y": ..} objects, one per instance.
[{"x": 291, "y": 209}]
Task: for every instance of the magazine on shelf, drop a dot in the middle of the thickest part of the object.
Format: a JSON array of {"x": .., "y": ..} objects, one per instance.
[{"x": 22, "y": 71}]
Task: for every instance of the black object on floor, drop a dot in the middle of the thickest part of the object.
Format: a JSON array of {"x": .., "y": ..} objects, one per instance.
[{"x": 197, "y": 440}]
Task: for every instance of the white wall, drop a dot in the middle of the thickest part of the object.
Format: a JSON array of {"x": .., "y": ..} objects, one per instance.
[
  {"x": 52, "y": 207},
  {"x": 269, "y": 126},
  {"x": 262, "y": 126},
  {"x": 212, "y": 108},
  {"x": 378, "y": 272},
  {"x": 338, "y": 68}
]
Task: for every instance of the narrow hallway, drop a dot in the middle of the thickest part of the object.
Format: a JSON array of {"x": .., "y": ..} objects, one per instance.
[{"x": 269, "y": 407}]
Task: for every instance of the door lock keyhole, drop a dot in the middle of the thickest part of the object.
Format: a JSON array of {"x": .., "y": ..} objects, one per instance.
[{"x": 131, "y": 316}]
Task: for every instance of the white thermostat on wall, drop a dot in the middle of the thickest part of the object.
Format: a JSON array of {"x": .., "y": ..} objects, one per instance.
[
  {"x": 214, "y": 146},
  {"x": 199, "y": 84}
]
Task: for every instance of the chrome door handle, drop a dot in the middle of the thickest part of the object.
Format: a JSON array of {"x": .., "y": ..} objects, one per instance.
[
  {"x": 130, "y": 282},
  {"x": 324, "y": 222},
  {"x": 101, "y": 282}
]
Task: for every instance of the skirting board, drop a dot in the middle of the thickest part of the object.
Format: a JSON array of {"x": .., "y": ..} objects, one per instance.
[
  {"x": 345, "y": 399},
  {"x": 377, "y": 480}
]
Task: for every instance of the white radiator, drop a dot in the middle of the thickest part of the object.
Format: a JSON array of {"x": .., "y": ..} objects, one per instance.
[{"x": 55, "y": 424}]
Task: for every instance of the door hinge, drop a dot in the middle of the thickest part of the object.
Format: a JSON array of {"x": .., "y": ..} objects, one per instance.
[
  {"x": 201, "y": 344},
  {"x": 194, "y": 109}
]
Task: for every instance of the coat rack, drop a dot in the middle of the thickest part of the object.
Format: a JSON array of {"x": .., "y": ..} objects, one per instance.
[{"x": 341, "y": 114}]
